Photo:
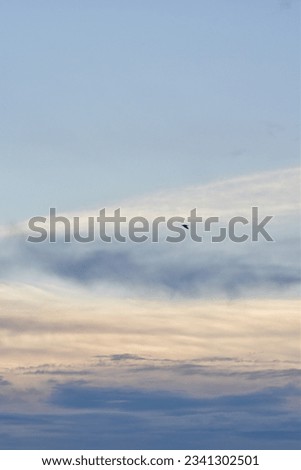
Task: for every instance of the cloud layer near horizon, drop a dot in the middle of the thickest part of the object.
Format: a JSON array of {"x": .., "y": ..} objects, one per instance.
[{"x": 150, "y": 334}]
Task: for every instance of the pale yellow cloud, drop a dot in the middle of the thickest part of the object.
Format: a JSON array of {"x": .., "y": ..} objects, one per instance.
[{"x": 187, "y": 343}]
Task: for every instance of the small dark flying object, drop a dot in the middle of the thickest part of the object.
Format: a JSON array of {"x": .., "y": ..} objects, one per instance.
[{"x": 185, "y": 226}]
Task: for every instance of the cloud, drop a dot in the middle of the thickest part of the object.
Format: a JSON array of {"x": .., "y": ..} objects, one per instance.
[
  {"x": 3, "y": 382},
  {"x": 174, "y": 331},
  {"x": 184, "y": 269},
  {"x": 66, "y": 326},
  {"x": 132, "y": 418},
  {"x": 274, "y": 192},
  {"x": 126, "y": 357},
  {"x": 83, "y": 396}
]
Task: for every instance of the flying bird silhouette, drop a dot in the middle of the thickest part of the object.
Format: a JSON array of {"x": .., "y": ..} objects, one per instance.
[{"x": 185, "y": 226}]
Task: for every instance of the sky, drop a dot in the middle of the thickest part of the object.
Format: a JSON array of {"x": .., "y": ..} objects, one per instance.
[{"x": 155, "y": 108}]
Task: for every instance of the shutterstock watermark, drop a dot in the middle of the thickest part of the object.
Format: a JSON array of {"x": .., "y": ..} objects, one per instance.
[{"x": 139, "y": 229}]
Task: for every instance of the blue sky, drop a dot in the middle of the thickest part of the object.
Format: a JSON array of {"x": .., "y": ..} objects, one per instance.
[
  {"x": 156, "y": 108},
  {"x": 106, "y": 100}
]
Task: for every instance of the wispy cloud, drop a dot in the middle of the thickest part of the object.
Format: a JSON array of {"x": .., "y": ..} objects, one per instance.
[
  {"x": 155, "y": 329},
  {"x": 189, "y": 268}
]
